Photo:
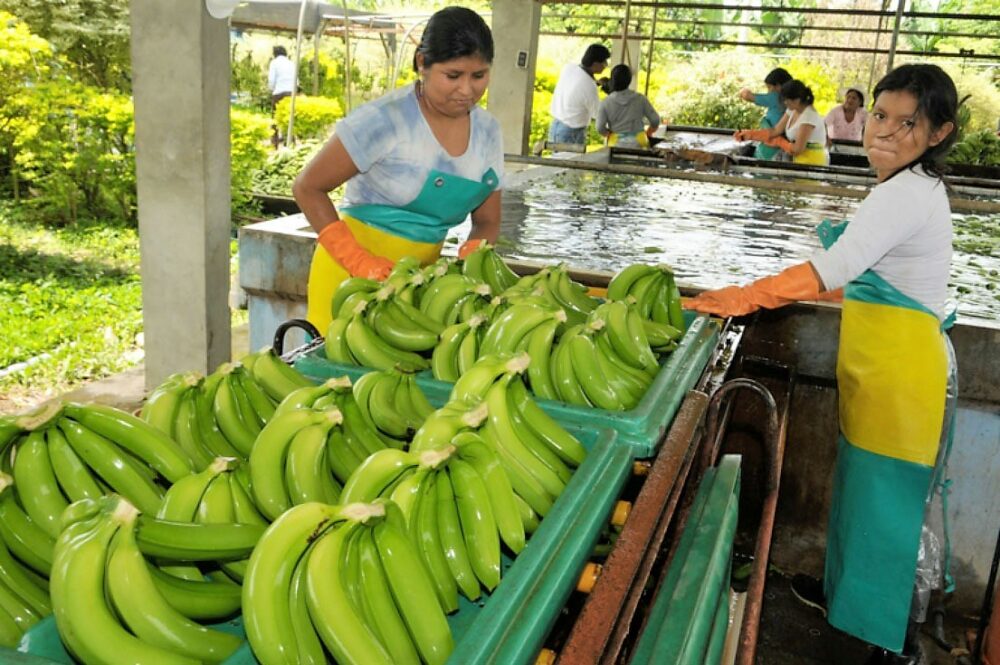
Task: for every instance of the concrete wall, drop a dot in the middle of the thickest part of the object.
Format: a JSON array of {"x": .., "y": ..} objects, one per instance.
[
  {"x": 515, "y": 30},
  {"x": 180, "y": 65}
]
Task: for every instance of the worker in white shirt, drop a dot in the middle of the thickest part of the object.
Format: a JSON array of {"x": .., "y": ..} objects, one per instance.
[
  {"x": 280, "y": 76},
  {"x": 575, "y": 100}
]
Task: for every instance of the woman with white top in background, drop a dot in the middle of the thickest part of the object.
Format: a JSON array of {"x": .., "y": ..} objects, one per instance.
[{"x": 801, "y": 132}]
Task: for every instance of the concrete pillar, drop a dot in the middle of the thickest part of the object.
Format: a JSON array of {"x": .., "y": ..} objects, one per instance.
[
  {"x": 180, "y": 76},
  {"x": 512, "y": 78},
  {"x": 631, "y": 57}
]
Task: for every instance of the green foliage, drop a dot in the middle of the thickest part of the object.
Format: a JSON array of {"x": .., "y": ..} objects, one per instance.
[
  {"x": 281, "y": 168},
  {"x": 249, "y": 81},
  {"x": 981, "y": 148},
  {"x": 91, "y": 36},
  {"x": 70, "y": 301},
  {"x": 314, "y": 116},
  {"x": 703, "y": 91},
  {"x": 249, "y": 134},
  {"x": 984, "y": 96}
]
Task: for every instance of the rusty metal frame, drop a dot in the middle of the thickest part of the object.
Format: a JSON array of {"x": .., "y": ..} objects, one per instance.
[{"x": 603, "y": 624}]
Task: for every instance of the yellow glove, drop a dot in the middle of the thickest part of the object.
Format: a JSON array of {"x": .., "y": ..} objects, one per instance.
[{"x": 340, "y": 243}]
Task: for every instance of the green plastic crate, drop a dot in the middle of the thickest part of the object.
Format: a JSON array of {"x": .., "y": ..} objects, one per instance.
[
  {"x": 509, "y": 625},
  {"x": 642, "y": 427}
]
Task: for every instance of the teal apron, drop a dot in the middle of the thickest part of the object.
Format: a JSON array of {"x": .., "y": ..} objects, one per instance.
[
  {"x": 892, "y": 376},
  {"x": 416, "y": 229}
]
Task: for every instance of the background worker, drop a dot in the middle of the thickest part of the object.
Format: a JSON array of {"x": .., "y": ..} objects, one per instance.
[
  {"x": 417, "y": 162},
  {"x": 895, "y": 365},
  {"x": 846, "y": 121},
  {"x": 280, "y": 76},
  {"x": 770, "y": 100},
  {"x": 800, "y": 133},
  {"x": 620, "y": 115},
  {"x": 575, "y": 100}
]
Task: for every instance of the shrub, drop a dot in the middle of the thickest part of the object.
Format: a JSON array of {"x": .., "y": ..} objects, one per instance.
[
  {"x": 314, "y": 116},
  {"x": 248, "y": 137},
  {"x": 282, "y": 166}
]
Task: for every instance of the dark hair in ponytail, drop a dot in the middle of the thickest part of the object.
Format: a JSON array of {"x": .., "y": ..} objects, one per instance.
[
  {"x": 797, "y": 90},
  {"x": 454, "y": 32},
  {"x": 937, "y": 100}
]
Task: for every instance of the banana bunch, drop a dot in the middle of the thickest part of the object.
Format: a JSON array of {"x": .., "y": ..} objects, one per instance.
[
  {"x": 105, "y": 596},
  {"x": 221, "y": 415},
  {"x": 220, "y": 494},
  {"x": 347, "y": 578},
  {"x": 458, "y": 348},
  {"x": 552, "y": 286},
  {"x": 66, "y": 452},
  {"x": 392, "y": 403},
  {"x": 485, "y": 265},
  {"x": 654, "y": 291},
  {"x": 24, "y": 594}
]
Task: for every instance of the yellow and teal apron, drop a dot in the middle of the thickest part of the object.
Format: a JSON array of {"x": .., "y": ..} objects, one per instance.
[
  {"x": 764, "y": 151},
  {"x": 892, "y": 374},
  {"x": 416, "y": 229},
  {"x": 815, "y": 154}
]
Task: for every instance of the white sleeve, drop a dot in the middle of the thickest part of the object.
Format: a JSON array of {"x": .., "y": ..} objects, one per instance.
[
  {"x": 892, "y": 213},
  {"x": 593, "y": 101},
  {"x": 272, "y": 76}
]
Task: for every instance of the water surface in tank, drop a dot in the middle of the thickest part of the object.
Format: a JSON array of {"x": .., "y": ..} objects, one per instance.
[{"x": 712, "y": 234}]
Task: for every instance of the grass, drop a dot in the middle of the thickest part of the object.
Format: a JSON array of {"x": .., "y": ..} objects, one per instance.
[{"x": 70, "y": 307}]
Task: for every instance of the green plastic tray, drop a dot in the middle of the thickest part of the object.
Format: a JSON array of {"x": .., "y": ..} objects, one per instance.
[
  {"x": 641, "y": 428},
  {"x": 508, "y": 626}
]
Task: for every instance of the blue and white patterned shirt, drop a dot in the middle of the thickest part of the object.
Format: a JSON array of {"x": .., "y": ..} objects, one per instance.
[{"x": 394, "y": 149}]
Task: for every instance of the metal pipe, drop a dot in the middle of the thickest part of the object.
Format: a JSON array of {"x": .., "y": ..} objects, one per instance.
[
  {"x": 399, "y": 53},
  {"x": 649, "y": 54},
  {"x": 779, "y": 10},
  {"x": 628, "y": 17},
  {"x": 895, "y": 35},
  {"x": 316, "y": 37},
  {"x": 347, "y": 58},
  {"x": 289, "y": 137}
]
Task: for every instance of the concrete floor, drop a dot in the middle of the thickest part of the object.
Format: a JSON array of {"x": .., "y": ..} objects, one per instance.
[{"x": 127, "y": 390}]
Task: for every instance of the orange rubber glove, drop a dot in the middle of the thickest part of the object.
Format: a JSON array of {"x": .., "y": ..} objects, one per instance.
[
  {"x": 752, "y": 135},
  {"x": 793, "y": 284},
  {"x": 781, "y": 142},
  {"x": 340, "y": 243},
  {"x": 469, "y": 246}
]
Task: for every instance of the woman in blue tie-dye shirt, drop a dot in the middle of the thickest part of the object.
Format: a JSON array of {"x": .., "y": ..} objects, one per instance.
[{"x": 417, "y": 162}]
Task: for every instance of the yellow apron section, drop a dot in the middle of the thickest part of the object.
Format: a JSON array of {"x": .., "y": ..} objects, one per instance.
[
  {"x": 641, "y": 138},
  {"x": 892, "y": 373},
  {"x": 325, "y": 274},
  {"x": 813, "y": 155}
]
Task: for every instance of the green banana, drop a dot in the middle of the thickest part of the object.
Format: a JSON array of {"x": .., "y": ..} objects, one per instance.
[
  {"x": 473, "y": 385},
  {"x": 347, "y": 288},
  {"x": 134, "y": 435},
  {"x": 180, "y": 503},
  {"x": 244, "y": 509},
  {"x": 383, "y": 406},
  {"x": 443, "y": 293},
  {"x": 645, "y": 291},
  {"x": 10, "y": 604},
  {"x": 524, "y": 484},
  {"x": 210, "y": 434},
  {"x": 183, "y": 541},
  {"x": 446, "y": 423},
  {"x": 506, "y": 331},
  {"x": 36, "y": 483},
  {"x": 267, "y": 461},
  {"x": 473, "y": 450},
  {"x": 188, "y": 434},
  {"x": 361, "y": 427},
  {"x": 308, "y": 643},
  {"x": 528, "y": 516},
  {"x": 406, "y": 491},
  {"x": 247, "y": 414},
  {"x": 586, "y": 366},
  {"x": 468, "y": 350},
  {"x": 452, "y": 542},
  {"x": 479, "y": 526},
  {"x": 73, "y": 475},
  {"x": 266, "y": 598},
  {"x": 160, "y": 408},
  {"x": 276, "y": 377},
  {"x": 540, "y": 348},
  {"x": 87, "y": 625},
  {"x": 341, "y": 456},
  {"x": 377, "y": 473},
  {"x": 625, "y": 343},
  {"x": 345, "y": 634},
  {"x": 392, "y": 325},
  {"x": 110, "y": 463},
  {"x": 424, "y": 533},
  {"x": 563, "y": 375},
  {"x": 335, "y": 345},
  {"x": 149, "y": 616},
  {"x": 444, "y": 359},
  {"x": 227, "y": 414},
  {"x": 675, "y": 312},
  {"x": 10, "y": 634},
  {"x": 570, "y": 293},
  {"x": 380, "y": 605},
  {"x": 413, "y": 592},
  {"x": 307, "y": 473},
  {"x": 639, "y": 379},
  {"x": 263, "y": 405},
  {"x": 372, "y": 351},
  {"x": 197, "y": 599},
  {"x": 304, "y": 398},
  {"x": 564, "y": 444},
  {"x": 496, "y": 273},
  {"x": 622, "y": 283},
  {"x": 16, "y": 578},
  {"x": 661, "y": 335}
]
